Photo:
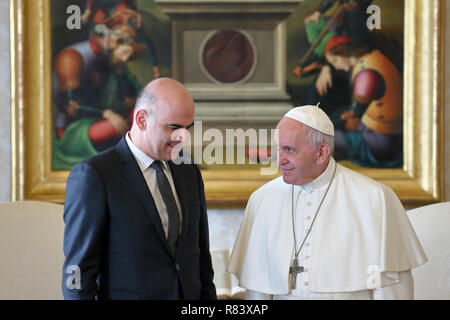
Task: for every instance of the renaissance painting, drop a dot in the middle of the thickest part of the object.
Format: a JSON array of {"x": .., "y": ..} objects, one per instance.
[
  {"x": 374, "y": 66},
  {"x": 99, "y": 68},
  {"x": 347, "y": 55},
  {"x": 333, "y": 59}
]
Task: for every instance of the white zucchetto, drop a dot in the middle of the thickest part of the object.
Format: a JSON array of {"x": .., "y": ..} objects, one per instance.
[{"x": 313, "y": 117}]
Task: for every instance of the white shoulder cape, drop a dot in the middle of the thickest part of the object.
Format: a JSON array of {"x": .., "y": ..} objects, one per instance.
[{"x": 361, "y": 223}]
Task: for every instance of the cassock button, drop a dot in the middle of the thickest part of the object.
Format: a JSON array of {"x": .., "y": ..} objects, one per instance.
[
  {"x": 308, "y": 218},
  {"x": 307, "y": 244},
  {"x": 306, "y": 257},
  {"x": 308, "y": 204},
  {"x": 177, "y": 267},
  {"x": 305, "y": 283}
]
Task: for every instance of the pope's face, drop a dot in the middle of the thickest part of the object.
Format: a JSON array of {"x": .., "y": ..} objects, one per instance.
[{"x": 297, "y": 158}]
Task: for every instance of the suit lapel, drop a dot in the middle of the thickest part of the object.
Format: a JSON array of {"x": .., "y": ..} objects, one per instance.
[{"x": 134, "y": 176}]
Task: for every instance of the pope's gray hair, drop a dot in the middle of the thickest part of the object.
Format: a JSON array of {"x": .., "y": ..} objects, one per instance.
[{"x": 316, "y": 138}]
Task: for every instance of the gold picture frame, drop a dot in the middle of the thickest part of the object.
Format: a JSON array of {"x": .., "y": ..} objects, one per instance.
[{"x": 419, "y": 182}]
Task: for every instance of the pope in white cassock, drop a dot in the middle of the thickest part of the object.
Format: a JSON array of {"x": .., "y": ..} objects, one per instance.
[{"x": 322, "y": 231}]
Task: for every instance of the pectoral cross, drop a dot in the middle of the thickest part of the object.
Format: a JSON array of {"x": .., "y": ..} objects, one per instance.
[{"x": 293, "y": 271}]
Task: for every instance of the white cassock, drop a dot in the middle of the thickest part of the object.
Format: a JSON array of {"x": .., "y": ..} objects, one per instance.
[{"x": 360, "y": 229}]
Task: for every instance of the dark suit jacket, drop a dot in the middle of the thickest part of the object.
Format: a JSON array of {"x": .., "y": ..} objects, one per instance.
[{"x": 114, "y": 234}]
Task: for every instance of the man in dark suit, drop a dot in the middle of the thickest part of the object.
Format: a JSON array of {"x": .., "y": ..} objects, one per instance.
[{"x": 136, "y": 223}]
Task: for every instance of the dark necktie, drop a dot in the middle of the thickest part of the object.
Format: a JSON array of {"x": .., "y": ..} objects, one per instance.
[{"x": 171, "y": 205}]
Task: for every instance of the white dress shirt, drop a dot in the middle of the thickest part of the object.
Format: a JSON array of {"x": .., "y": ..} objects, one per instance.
[{"x": 144, "y": 163}]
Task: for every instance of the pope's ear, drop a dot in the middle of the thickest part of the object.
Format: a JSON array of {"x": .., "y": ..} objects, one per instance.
[
  {"x": 324, "y": 153},
  {"x": 141, "y": 119}
]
